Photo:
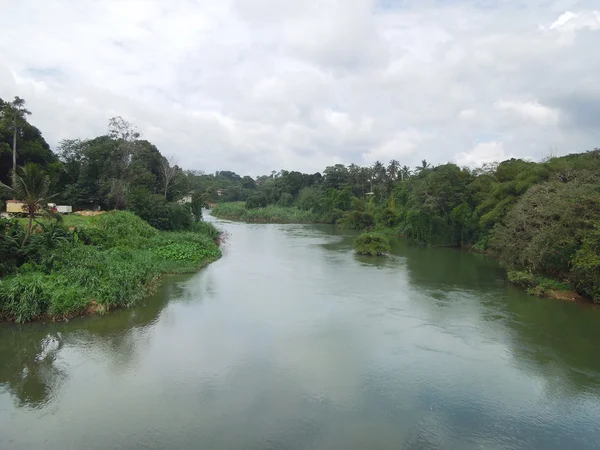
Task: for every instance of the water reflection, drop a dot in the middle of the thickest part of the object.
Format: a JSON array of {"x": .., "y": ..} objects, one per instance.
[
  {"x": 32, "y": 369},
  {"x": 293, "y": 341}
]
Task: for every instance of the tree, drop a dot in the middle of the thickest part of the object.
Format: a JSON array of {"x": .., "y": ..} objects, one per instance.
[
  {"x": 13, "y": 114},
  {"x": 168, "y": 170},
  {"x": 424, "y": 165},
  {"x": 120, "y": 129},
  {"x": 30, "y": 185},
  {"x": 392, "y": 169},
  {"x": 379, "y": 171},
  {"x": 405, "y": 172}
]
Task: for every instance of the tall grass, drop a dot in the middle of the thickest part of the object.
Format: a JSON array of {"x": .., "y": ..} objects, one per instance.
[
  {"x": 113, "y": 261},
  {"x": 268, "y": 214}
]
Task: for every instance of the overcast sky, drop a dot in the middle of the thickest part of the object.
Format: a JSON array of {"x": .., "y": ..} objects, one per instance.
[{"x": 257, "y": 85}]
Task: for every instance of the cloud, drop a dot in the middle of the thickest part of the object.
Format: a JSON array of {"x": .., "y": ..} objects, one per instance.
[
  {"x": 256, "y": 85},
  {"x": 484, "y": 152},
  {"x": 531, "y": 111},
  {"x": 570, "y": 21}
]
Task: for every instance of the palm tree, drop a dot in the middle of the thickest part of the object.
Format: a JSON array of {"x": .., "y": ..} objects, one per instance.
[
  {"x": 424, "y": 165},
  {"x": 379, "y": 171},
  {"x": 30, "y": 185},
  {"x": 14, "y": 114},
  {"x": 392, "y": 169},
  {"x": 405, "y": 172}
]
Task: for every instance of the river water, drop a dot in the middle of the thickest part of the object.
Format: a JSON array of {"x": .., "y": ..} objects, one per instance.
[{"x": 290, "y": 341}]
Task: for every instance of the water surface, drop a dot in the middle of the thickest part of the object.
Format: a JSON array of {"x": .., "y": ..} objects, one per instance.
[{"x": 290, "y": 341}]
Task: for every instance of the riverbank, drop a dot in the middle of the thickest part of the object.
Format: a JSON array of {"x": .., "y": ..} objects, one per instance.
[
  {"x": 533, "y": 285},
  {"x": 112, "y": 261},
  {"x": 269, "y": 214}
]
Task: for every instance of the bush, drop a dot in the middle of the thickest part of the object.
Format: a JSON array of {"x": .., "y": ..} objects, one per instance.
[
  {"x": 388, "y": 218},
  {"x": 357, "y": 220},
  {"x": 585, "y": 265},
  {"x": 257, "y": 200},
  {"x": 372, "y": 244},
  {"x": 207, "y": 229},
  {"x": 286, "y": 200},
  {"x": 541, "y": 235},
  {"x": 24, "y": 297},
  {"x": 109, "y": 262},
  {"x": 308, "y": 198},
  {"x": 180, "y": 217},
  {"x": 269, "y": 214},
  {"x": 162, "y": 215}
]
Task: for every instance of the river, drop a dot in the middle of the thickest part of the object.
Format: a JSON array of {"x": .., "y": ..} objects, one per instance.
[{"x": 290, "y": 341}]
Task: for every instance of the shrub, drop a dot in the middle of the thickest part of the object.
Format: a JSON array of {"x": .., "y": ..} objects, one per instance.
[
  {"x": 269, "y": 214},
  {"x": 207, "y": 229},
  {"x": 372, "y": 244},
  {"x": 541, "y": 235},
  {"x": 24, "y": 297},
  {"x": 257, "y": 200},
  {"x": 585, "y": 265},
  {"x": 286, "y": 200},
  {"x": 388, "y": 218},
  {"x": 111, "y": 261},
  {"x": 180, "y": 217},
  {"x": 357, "y": 220}
]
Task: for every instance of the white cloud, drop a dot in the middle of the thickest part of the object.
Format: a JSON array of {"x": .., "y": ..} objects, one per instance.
[
  {"x": 570, "y": 21},
  {"x": 256, "y": 85},
  {"x": 484, "y": 152},
  {"x": 400, "y": 145},
  {"x": 531, "y": 111}
]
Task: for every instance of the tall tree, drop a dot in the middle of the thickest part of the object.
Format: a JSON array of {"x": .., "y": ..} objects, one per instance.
[
  {"x": 392, "y": 169},
  {"x": 13, "y": 114},
  {"x": 379, "y": 172},
  {"x": 424, "y": 165},
  {"x": 405, "y": 172},
  {"x": 168, "y": 170}
]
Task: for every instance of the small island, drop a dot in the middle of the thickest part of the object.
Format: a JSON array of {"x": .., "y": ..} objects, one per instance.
[{"x": 372, "y": 244}]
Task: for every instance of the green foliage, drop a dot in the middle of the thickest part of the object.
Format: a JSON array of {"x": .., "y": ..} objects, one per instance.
[
  {"x": 286, "y": 200},
  {"x": 357, "y": 220},
  {"x": 24, "y": 297},
  {"x": 541, "y": 234},
  {"x": 207, "y": 229},
  {"x": 372, "y": 244},
  {"x": 585, "y": 265},
  {"x": 309, "y": 198},
  {"x": 269, "y": 214},
  {"x": 535, "y": 284},
  {"x": 110, "y": 261},
  {"x": 257, "y": 200}
]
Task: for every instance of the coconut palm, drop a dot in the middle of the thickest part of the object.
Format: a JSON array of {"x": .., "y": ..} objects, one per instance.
[
  {"x": 405, "y": 172},
  {"x": 392, "y": 169},
  {"x": 30, "y": 185},
  {"x": 379, "y": 172},
  {"x": 424, "y": 165}
]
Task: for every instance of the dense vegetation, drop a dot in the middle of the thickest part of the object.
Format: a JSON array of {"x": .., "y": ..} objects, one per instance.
[
  {"x": 541, "y": 220},
  {"x": 372, "y": 244},
  {"x": 268, "y": 214},
  {"x": 119, "y": 170},
  {"x": 111, "y": 261},
  {"x": 55, "y": 268}
]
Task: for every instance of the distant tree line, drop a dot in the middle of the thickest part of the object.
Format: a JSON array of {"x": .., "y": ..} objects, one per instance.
[{"x": 540, "y": 219}]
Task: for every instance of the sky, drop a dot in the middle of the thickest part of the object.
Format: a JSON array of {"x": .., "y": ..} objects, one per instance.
[{"x": 260, "y": 85}]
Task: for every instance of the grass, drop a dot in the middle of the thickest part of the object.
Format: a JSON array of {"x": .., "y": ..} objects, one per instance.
[
  {"x": 537, "y": 285},
  {"x": 268, "y": 214},
  {"x": 109, "y": 261},
  {"x": 68, "y": 220}
]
